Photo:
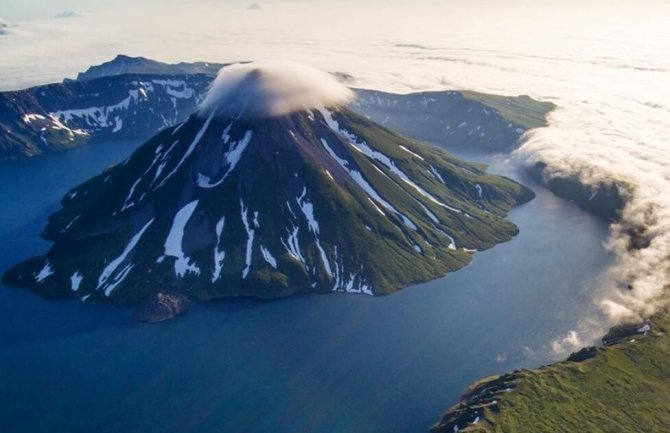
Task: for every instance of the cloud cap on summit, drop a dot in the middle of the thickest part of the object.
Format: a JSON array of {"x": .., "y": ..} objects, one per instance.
[{"x": 269, "y": 89}]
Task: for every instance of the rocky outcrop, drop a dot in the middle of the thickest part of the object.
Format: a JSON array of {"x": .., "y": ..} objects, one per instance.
[
  {"x": 160, "y": 307},
  {"x": 622, "y": 332},
  {"x": 470, "y": 409}
]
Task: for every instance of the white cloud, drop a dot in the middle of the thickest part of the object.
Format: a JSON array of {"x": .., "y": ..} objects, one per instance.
[
  {"x": 567, "y": 344},
  {"x": 264, "y": 89}
]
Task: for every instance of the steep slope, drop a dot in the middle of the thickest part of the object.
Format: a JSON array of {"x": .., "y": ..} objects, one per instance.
[
  {"x": 315, "y": 200},
  {"x": 59, "y": 116}
]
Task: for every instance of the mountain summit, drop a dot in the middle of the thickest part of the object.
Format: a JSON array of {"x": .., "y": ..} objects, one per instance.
[
  {"x": 272, "y": 89},
  {"x": 272, "y": 188}
]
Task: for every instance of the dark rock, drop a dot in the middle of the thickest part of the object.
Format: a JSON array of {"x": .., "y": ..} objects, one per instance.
[
  {"x": 470, "y": 408},
  {"x": 583, "y": 354},
  {"x": 161, "y": 306},
  {"x": 622, "y": 332}
]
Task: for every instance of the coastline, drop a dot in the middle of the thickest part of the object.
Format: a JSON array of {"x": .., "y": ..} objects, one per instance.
[
  {"x": 611, "y": 387},
  {"x": 600, "y": 388}
]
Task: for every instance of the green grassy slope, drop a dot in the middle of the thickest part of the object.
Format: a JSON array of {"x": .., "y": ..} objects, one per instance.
[
  {"x": 521, "y": 110},
  {"x": 623, "y": 387}
]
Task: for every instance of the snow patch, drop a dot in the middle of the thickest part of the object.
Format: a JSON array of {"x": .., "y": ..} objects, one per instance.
[
  {"x": 307, "y": 209},
  {"x": 292, "y": 245},
  {"x": 230, "y": 160},
  {"x": 173, "y": 243},
  {"x": 44, "y": 273},
  {"x": 351, "y": 282},
  {"x": 436, "y": 174},
  {"x": 371, "y": 192},
  {"x": 190, "y": 149},
  {"x": 250, "y": 240},
  {"x": 119, "y": 124},
  {"x": 427, "y": 211},
  {"x": 411, "y": 153},
  {"x": 110, "y": 271},
  {"x": 480, "y": 191},
  {"x": 268, "y": 257},
  {"x": 75, "y": 280},
  {"x": 219, "y": 254}
]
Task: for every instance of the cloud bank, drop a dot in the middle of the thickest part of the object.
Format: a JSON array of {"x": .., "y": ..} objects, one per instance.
[
  {"x": 617, "y": 151},
  {"x": 268, "y": 89}
]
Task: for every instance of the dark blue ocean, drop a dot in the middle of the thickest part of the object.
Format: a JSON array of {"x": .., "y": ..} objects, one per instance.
[{"x": 307, "y": 364}]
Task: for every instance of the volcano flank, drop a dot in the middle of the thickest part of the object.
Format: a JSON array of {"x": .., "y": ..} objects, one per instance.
[{"x": 270, "y": 189}]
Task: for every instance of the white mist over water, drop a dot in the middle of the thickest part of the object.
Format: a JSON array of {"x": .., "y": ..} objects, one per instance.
[{"x": 606, "y": 64}]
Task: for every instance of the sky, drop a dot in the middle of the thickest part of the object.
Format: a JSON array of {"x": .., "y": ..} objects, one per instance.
[
  {"x": 21, "y": 10},
  {"x": 605, "y": 63}
]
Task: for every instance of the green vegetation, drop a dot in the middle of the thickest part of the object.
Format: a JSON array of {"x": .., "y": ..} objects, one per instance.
[
  {"x": 438, "y": 209},
  {"x": 521, "y": 110},
  {"x": 622, "y": 387}
]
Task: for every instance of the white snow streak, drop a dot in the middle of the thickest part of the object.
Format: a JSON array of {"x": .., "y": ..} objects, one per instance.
[
  {"x": 46, "y": 272},
  {"x": 412, "y": 153},
  {"x": 219, "y": 254},
  {"x": 307, "y": 209},
  {"x": 436, "y": 174},
  {"x": 173, "y": 243},
  {"x": 268, "y": 257},
  {"x": 190, "y": 149},
  {"x": 347, "y": 283},
  {"x": 292, "y": 245},
  {"x": 230, "y": 160},
  {"x": 110, "y": 269},
  {"x": 360, "y": 181},
  {"x": 250, "y": 240},
  {"x": 76, "y": 279}
]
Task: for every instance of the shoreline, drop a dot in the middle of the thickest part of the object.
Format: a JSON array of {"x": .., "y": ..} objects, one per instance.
[{"x": 489, "y": 405}]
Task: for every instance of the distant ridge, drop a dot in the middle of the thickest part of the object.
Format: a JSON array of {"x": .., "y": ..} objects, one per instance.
[
  {"x": 63, "y": 115},
  {"x": 123, "y": 64}
]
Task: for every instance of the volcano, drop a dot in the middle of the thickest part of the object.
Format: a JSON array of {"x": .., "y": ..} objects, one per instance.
[{"x": 272, "y": 188}]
